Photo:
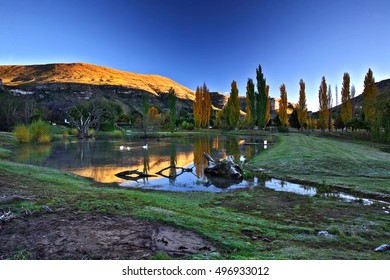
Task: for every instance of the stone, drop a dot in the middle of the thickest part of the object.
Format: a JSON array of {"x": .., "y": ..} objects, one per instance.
[
  {"x": 382, "y": 248},
  {"x": 324, "y": 233}
]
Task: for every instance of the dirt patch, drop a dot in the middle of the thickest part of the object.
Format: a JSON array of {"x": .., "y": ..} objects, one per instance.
[{"x": 94, "y": 236}]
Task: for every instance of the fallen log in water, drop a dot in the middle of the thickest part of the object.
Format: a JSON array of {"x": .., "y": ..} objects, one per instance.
[
  {"x": 127, "y": 175},
  {"x": 224, "y": 168}
]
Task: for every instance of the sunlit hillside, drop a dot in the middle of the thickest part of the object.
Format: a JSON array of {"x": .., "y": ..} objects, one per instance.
[{"x": 19, "y": 75}]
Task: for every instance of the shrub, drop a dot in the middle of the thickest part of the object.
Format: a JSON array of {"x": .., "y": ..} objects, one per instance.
[
  {"x": 283, "y": 128},
  {"x": 44, "y": 139},
  {"x": 40, "y": 131},
  {"x": 65, "y": 134},
  {"x": 22, "y": 133},
  {"x": 187, "y": 125},
  {"x": 74, "y": 132},
  {"x": 118, "y": 134},
  {"x": 91, "y": 132}
]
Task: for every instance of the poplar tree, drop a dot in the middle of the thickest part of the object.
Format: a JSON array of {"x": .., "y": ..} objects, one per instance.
[
  {"x": 172, "y": 108},
  {"x": 369, "y": 98},
  {"x": 302, "y": 107},
  {"x": 283, "y": 106},
  {"x": 202, "y": 106},
  {"x": 346, "y": 107},
  {"x": 261, "y": 100},
  {"x": 233, "y": 106},
  {"x": 268, "y": 107},
  {"x": 330, "y": 105},
  {"x": 206, "y": 105},
  {"x": 323, "y": 108},
  {"x": 250, "y": 103},
  {"x": 198, "y": 107}
]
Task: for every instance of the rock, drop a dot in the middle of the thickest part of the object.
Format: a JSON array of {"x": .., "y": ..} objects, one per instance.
[
  {"x": 324, "y": 233},
  {"x": 382, "y": 248}
]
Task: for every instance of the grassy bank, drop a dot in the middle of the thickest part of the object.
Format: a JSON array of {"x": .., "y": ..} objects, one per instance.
[
  {"x": 357, "y": 166},
  {"x": 256, "y": 223}
]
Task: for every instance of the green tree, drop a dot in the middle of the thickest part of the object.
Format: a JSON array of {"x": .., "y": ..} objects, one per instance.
[
  {"x": 323, "y": 108},
  {"x": 268, "y": 107},
  {"x": 346, "y": 107},
  {"x": 283, "y": 106},
  {"x": 369, "y": 98},
  {"x": 330, "y": 105},
  {"x": 262, "y": 98},
  {"x": 250, "y": 103},
  {"x": 302, "y": 107},
  {"x": 233, "y": 106},
  {"x": 172, "y": 108}
]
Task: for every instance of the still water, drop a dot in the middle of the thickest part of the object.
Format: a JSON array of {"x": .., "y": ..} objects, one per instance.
[{"x": 102, "y": 160}]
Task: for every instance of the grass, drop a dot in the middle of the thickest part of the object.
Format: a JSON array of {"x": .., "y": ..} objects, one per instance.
[
  {"x": 354, "y": 165},
  {"x": 256, "y": 223}
]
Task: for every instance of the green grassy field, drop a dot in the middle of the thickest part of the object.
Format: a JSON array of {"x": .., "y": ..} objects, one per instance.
[
  {"x": 256, "y": 223},
  {"x": 358, "y": 166}
]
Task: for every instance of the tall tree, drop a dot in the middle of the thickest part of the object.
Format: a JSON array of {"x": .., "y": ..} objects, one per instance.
[
  {"x": 233, "y": 106},
  {"x": 330, "y": 105},
  {"x": 206, "y": 105},
  {"x": 198, "y": 107},
  {"x": 337, "y": 96},
  {"x": 172, "y": 108},
  {"x": 323, "y": 108},
  {"x": 346, "y": 107},
  {"x": 369, "y": 98},
  {"x": 283, "y": 106},
  {"x": 250, "y": 103},
  {"x": 302, "y": 107},
  {"x": 261, "y": 105},
  {"x": 268, "y": 107}
]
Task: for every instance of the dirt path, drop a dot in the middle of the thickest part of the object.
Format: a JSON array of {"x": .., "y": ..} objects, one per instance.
[{"x": 94, "y": 236}]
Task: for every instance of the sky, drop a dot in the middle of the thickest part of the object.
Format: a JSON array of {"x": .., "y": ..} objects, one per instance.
[{"x": 212, "y": 41}]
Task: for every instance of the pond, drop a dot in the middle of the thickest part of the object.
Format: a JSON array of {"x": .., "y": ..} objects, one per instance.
[{"x": 102, "y": 160}]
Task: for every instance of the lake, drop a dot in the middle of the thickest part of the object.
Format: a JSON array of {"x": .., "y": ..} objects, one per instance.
[{"x": 101, "y": 160}]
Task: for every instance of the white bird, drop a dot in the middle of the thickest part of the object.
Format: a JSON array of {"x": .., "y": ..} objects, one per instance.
[
  {"x": 128, "y": 148},
  {"x": 145, "y": 147},
  {"x": 121, "y": 147}
]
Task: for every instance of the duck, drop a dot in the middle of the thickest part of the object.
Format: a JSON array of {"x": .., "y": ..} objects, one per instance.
[
  {"x": 121, "y": 147},
  {"x": 128, "y": 148},
  {"x": 145, "y": 147}
]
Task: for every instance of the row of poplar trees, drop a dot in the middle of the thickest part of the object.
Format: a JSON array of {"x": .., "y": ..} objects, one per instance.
[{"x": 347, "y": 111}]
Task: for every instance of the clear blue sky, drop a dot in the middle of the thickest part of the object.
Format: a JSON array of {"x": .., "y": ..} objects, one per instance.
[{"x": 198, "y": 41}]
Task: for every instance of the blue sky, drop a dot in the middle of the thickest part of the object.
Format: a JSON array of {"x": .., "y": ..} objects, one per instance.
[{"x": 207, "y": 41}]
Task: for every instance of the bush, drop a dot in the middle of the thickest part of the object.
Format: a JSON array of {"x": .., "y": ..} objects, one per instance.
[
  {"x": 283, "y": 128},
  {"x": 40, "y": 131},
  {"x": 91, "y": 132},
  {"x": 187, "y": 125},
  {"x": 44, "y": 139},
  {"x": 65, "y": 134},
  {"x": 118, "y": 134},
  {"x": 22, "y": 133},
  {"x": 74, "y": 132}
]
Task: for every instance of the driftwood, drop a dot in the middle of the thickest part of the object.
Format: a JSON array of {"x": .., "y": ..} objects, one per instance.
[
  {"x": 225, "y": 168},
  {"x": 127, "y": 175},
  {"x": 6, "y": 217},
  {"x": 181, "y": 171}
]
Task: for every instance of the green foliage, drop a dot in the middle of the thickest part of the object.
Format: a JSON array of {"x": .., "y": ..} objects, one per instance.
[
  {"x": 40, "y": 131},
  {"x": 250, "y": 103},
  {"x": 187, "y": 125},
  {"x": 22, "y": 133},
  {"x": 294, "y": 122},
  {"x": 233, "y": 106},
  {"x": 369, "y": 98},
  {"x": 283, "y": 128},
  {"x": 160, "y": 256},
  {"x": 118, "y": 134},
  {"x": 172, "y": 109},
  {"x": 261, "y": 98},
  {"x": 74, "y": 132},
  {"x": 302, "y": 107}
]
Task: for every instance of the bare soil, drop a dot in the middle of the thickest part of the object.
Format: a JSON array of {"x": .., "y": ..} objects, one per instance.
[{"x": 94, "y": 236}]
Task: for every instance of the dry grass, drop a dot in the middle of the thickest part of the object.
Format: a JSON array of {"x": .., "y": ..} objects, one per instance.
[{"x": 17, "y": 75}]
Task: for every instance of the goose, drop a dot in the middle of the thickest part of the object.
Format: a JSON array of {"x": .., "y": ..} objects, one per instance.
[
  {"x": 145, "y": 147},
  {"x": 121, "y": 147},
  {"x": 128, "y": 148}
]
